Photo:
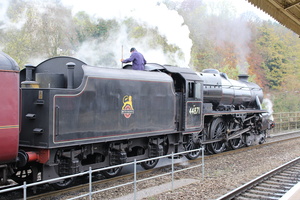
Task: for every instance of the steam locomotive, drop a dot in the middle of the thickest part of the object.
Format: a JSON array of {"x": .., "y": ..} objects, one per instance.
[{"x": 63, "y": 116}]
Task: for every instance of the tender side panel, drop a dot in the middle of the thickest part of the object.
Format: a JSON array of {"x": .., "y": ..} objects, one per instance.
[
  {"x": 111, "y": 109},
  {"x": 9, "y": 115}
]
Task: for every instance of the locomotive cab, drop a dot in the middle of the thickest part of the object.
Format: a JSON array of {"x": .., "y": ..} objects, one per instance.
[
  {"x": 189, "y": 98},
  {"x": 188, "y": 87}
]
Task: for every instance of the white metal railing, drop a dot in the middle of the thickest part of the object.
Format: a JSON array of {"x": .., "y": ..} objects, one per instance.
[{"x": 90, "y": 193}]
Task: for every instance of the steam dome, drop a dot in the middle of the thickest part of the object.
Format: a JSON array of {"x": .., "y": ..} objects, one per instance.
[{"x": 7, "y": 63}]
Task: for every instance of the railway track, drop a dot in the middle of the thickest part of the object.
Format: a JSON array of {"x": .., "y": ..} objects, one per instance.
[
  {"x": 83, "y": 186},
  {"x": 272, "y": 185}
]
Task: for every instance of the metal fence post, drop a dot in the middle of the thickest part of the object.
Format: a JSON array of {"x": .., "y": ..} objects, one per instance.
[
  {"x": 280, "y": 116},
  {"x": 90, "y": 183},
  {"x": 134, "y": 179},
  {"x": 24, "y": 190},
  {"x": 203, "y": 147},
  {"x": 172, "y": 171}
]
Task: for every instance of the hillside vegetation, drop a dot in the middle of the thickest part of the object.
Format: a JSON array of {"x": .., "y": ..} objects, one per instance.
[{"x": 265, "y": 50}]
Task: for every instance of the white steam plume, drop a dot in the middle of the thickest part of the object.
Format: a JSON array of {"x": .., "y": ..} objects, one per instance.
[
  {"x": 228, "y": 28},
  {"x": 269, "y": 106},
  {"x": 152, "y": 13},
  {"x": 3, "y": 17},
  {"x": 5, "y": 22}
]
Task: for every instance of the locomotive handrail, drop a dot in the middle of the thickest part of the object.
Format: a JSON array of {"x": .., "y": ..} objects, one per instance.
[{"x": 232, "y": 86}]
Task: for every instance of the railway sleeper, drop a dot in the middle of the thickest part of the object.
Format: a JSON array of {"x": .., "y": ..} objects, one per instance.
[
  {"x": 270, "y": 189},
  {"x": 276, "y": 187},
  {"x": 293, "y": 174},
  {"x": 255, "y": 196},
  {"x": 283, "y": 179},
  {"x": 279, "y": 184},
  {"x": 264, "y": 193}
]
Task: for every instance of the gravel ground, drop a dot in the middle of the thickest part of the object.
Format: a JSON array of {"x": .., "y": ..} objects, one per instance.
[{"x": 223, "y": 174}]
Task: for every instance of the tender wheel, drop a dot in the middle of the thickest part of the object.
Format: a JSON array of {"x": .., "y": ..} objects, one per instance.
[
  {"x": 149, "y": 164},
  {"x": 217, "y": 131},
  {"x": 112, "y": 172},
  {"x": 63, "y": 167},
  {"x": 191, "y": 145},
  {"x": 64, "y": 183}
]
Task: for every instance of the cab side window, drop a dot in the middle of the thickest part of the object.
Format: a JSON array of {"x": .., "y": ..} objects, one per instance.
[
  {"x": 191, "y": 89},
  {"x": 194, "y": 89}
]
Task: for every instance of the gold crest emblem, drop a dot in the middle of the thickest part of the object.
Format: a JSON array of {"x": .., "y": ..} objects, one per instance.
[{"x": 127, "y": 109}]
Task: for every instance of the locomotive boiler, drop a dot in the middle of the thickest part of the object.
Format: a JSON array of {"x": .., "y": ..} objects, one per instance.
[{"x": 74, "y": 116}]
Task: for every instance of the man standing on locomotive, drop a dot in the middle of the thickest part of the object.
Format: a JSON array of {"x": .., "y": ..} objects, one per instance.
[{"x": 137, "y": 59}]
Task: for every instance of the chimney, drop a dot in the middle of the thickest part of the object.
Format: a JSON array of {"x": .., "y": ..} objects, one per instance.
[{"x": 243, "y": 77}]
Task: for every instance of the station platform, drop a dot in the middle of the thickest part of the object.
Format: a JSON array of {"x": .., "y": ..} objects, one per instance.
[{"x": 293, "y": 193}]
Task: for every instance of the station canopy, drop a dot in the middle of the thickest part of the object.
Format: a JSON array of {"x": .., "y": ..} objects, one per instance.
[{"x": 286, "y": 12}]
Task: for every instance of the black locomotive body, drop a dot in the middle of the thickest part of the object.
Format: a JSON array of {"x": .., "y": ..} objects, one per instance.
[
  {"x": 109, "y": 105},
  {"x": 75, "y": 116}
]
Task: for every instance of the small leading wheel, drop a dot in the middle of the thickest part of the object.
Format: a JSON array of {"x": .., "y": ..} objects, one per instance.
[
  {"x": 191, "y": 145},
  {"x": 249, "y": 139},
  {"x": 149, "y": 164},
  {"x": 63, "y": 183},
  {"x": 112, "y": 172},
  {"x": 263, "y": 137},
  {"x": 217, "y": 131}
]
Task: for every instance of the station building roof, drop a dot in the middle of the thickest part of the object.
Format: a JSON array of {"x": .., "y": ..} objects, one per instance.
[{"x": 286, "y": 12}]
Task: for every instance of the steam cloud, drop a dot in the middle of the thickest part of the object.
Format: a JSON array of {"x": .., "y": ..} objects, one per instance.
[
  {"x": 152, "y": 13},
  {"x": 225, "y": 30},
  {"x": 269, "y": 106}
]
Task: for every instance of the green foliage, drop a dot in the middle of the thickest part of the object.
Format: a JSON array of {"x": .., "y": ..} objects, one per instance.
[
  {"x": 84, "y": 26},
  {"x": 273, "y": 50},
  {"x": 286, "y": 101},
  {"x": 104, "y": 28}
]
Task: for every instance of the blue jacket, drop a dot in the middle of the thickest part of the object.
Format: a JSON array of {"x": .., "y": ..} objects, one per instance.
[{"x": 137, "y": 59}]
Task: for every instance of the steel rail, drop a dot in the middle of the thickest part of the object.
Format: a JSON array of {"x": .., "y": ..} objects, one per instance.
[{"x": 255, "y": 182}]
